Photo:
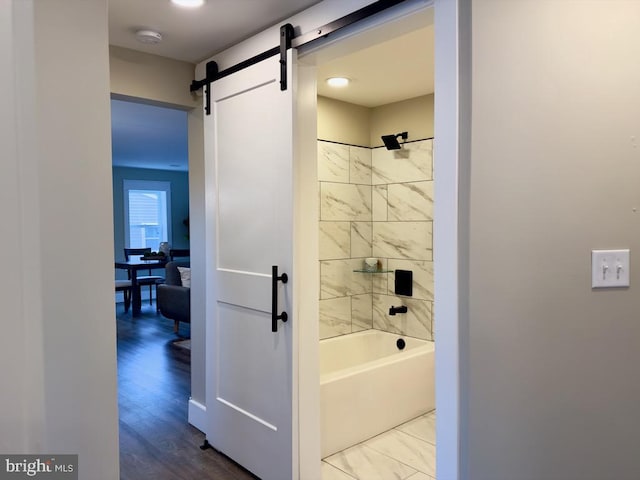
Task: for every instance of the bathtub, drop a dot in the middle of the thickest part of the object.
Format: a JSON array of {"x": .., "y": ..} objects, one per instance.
[{"x": 368, "y": 385}]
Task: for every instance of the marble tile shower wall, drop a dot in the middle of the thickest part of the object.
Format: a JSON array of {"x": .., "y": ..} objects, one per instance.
[{"x": 375, "y": 202}]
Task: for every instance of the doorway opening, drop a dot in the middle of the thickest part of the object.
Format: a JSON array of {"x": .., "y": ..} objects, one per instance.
[
  {"x": 151, "y": 210},
  {"x": 376, "y": 226}
]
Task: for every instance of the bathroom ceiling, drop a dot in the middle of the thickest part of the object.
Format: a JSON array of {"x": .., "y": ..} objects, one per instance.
[{"x": 387, "y": 72}]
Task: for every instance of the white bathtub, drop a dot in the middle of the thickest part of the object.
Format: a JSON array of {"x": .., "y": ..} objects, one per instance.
[{"x": 368, "y": 385}]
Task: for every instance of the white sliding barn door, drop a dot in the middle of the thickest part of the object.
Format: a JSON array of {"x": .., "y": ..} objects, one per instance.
[{"x": 249, "y": 146}]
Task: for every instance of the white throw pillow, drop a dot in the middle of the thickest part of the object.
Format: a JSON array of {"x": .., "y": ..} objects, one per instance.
[{"x": 185, "y": 276}]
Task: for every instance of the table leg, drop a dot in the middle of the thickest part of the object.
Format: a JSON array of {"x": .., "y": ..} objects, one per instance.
[{"x": 136, "y": 301}]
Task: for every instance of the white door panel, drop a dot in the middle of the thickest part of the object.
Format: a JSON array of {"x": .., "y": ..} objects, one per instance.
[
  {"x": 250, "y": 200},
  {"x": 248, "y": 289},
  {"x": 245, "y": 388},
  {"x": 249, "y": 372}
]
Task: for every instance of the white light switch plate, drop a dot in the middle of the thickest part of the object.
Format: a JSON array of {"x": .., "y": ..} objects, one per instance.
[{"x": 609, "y": 268}]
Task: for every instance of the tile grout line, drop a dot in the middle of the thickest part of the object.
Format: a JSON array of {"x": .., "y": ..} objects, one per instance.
[
  {"x": 364, "y": 444},
  {"x": 337, "y": 468}
]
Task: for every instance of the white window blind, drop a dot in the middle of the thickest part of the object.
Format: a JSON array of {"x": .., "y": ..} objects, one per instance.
[{"x": 147, "y": 213}]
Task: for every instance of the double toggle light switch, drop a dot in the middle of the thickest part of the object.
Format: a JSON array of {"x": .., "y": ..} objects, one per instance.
[{"x": 609, "y": 268}]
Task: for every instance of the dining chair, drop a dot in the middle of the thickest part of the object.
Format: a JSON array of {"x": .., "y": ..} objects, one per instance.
[
  {"x": 124, "y": 286},
  {"x": 151, "y": 280}
]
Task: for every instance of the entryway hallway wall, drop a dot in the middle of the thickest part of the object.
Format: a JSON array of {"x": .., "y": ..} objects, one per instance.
[
  {"x": 57, "y": 350},
  {"x": 551, "y": 387}
]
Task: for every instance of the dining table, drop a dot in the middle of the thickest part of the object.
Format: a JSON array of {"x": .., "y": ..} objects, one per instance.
[{"x": 133, "y": 265}]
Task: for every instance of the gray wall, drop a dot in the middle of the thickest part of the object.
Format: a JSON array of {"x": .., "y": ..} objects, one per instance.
[
  {"x": 154, "y": 78},
  {"x": 552, "y": 389},
  {"x": 58, "y": 347}
]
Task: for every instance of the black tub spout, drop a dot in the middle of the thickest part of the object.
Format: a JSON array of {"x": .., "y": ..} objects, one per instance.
[{"x": 393, "y": 310}]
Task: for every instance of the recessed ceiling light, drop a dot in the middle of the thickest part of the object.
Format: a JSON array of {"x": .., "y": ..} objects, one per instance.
[
  {"x": 188, "y": 3},
  {"x": 338, "y": 82}
]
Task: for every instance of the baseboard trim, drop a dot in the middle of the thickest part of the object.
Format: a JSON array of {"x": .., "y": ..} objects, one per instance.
[{"x": 197, "y": 415}]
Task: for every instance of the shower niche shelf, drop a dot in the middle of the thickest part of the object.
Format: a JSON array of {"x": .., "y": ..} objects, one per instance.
[{"x": 362, "y": 270}]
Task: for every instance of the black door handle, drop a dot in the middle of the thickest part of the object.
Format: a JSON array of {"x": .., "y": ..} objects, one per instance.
[{"x": 284, "y": 278}]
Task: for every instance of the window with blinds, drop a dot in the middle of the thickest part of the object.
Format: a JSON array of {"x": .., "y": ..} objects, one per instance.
[{"x": 147, "y": 213}]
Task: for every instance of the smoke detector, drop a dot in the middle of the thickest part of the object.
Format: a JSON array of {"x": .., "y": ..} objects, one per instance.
[
  {"x": 188, "y": 3},
  {"x": 148, "y": 36}
]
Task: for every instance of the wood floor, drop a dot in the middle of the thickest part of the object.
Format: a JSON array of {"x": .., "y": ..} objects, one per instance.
[{"x": 156, "y": 442}]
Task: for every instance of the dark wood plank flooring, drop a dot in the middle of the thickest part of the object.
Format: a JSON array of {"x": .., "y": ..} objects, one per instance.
[{"x": 156, "y": 441}]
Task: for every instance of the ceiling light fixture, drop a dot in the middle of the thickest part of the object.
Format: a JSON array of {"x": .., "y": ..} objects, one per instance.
[
  {"x": 338, "y": 82},
  {"x": 188, "y": 3},
  {"x": 148, "y": 36}
]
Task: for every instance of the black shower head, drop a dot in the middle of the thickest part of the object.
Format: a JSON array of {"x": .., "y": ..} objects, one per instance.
[{"x": 391, "y": 141}]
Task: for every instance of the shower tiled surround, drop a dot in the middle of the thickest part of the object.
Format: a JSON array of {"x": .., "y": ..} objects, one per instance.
[{"x": 375, "y": 203}]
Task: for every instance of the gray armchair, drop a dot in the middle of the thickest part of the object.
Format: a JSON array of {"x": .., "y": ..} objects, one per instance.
[{"x": 174, "y": 299}]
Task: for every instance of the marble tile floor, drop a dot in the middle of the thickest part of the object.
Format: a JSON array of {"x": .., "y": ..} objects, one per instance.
[{"x": 406, "y": 452}]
